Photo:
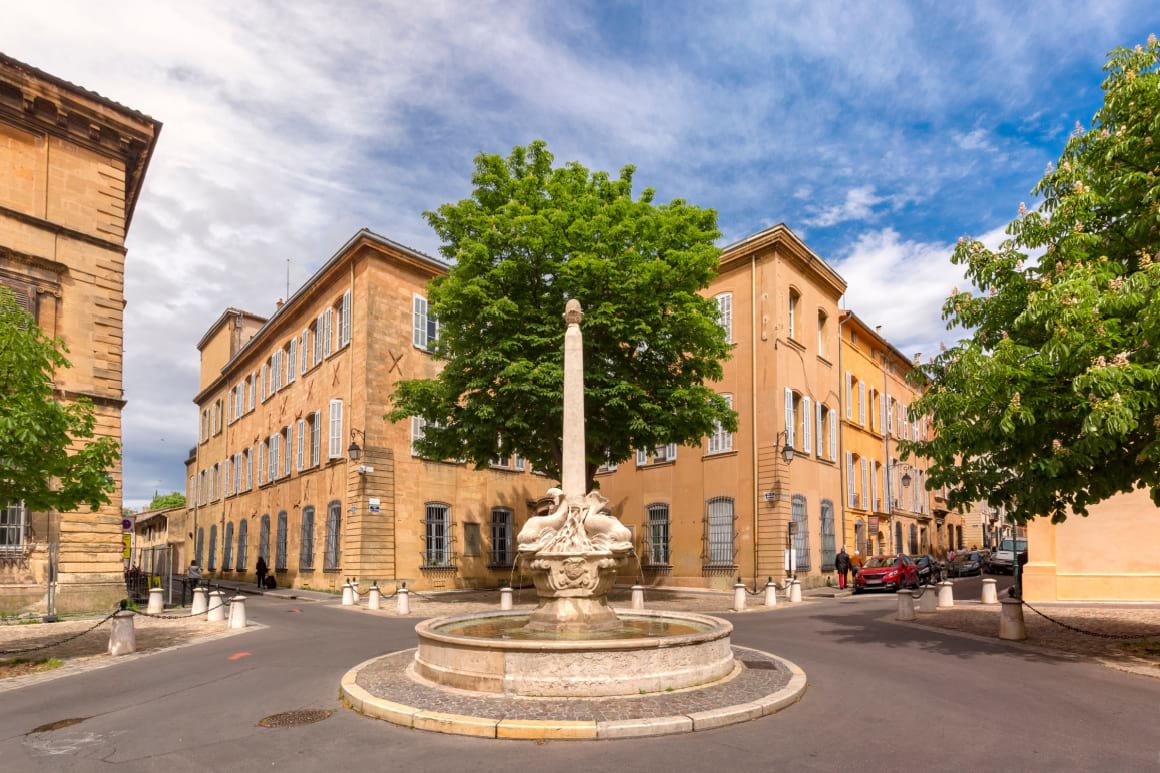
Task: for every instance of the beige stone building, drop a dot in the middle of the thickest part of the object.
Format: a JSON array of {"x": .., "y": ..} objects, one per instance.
[
  {"x": 287, "y": 403},
  {"x": 71, "y": 168}
]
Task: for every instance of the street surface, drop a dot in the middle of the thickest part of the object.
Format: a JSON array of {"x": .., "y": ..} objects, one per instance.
[{"x": 881, "y": 697}]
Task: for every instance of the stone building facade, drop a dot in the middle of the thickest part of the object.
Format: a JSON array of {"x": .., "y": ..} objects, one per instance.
[
  {"x": 283, "y": 400},
  {"x": 72, "y": 165}
]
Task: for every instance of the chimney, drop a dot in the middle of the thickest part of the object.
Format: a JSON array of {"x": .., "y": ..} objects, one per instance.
[
  {"x": 278, "y": 305},
  {"x": 917, "y": 358},
  {"x": 878, "y": 329}
]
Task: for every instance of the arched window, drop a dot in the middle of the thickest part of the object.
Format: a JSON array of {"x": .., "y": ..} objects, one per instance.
[
  {"x": 200, "y": 552},
  {"x": 437, "y": 522},
  {"x": 719, "y": 532},
  {"x": 243, "y": 533},
  {"x": 333, "y": 522},
  {"x": 280, "y": 544},
  {"x": 795, "y": 302},
  {"x": 801, "y": 537},
  {"x": 658, "y": 533},
  {"x": 264, "y": 538},
  {"x": 913, "y": 542},
  {"x": 898, "y": 536},
  {"x": 212, "y": 547},
  {"x": 501, "y": 536},
  {"x": 228, "y": 547},
  {"x": 829, "y": 553},
  {"x": 860, "y": 536},
  {"x": 306, "y": 543}
]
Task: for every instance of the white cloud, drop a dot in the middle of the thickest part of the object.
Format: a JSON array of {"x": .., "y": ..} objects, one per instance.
[
  {"x": 976, "y": 139},
  {"x": 859, "y": 205}
]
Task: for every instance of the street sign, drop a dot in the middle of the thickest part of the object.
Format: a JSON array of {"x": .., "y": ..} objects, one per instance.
[
  {"x": 126, "y": 524},
  {"x": 373, "y": 503},
  {"x": 872, "y": 524},
  {"x": 126, "y": 546}
]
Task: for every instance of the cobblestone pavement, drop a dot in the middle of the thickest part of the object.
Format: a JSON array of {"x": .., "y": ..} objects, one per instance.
[
  {"x": 386, "y": 678},
  {"x": 1121, "y": 621},
  {"x": 151, "y": 634}
]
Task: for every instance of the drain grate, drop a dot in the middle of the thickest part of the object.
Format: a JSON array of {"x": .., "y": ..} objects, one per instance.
[
  {"x": 761, "y": 665},
  {"x": 57, "y": 725},
  {"x": 296, "y": 718}
]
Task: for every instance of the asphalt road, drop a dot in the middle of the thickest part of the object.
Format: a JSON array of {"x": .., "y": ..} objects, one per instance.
[{"x": 881, "y": 697}]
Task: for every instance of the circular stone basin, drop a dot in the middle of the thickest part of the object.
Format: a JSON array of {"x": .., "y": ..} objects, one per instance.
[{"x": 651, "y": 652}]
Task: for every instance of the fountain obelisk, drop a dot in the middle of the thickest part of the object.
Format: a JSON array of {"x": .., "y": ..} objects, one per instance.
[{"x": 573, "y": 552}]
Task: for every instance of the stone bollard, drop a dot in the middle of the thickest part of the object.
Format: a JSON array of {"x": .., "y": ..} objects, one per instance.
[
  {"x": 905, "y": 606},
  {"x": 946, "y": 595},
  {"x": 638, "y": 597},
  {"x": 200, "y": 602},
  {"x": 990, "y": 595},
  {"x": 795, "y": 592},
  {"x": 374, "y": 597},
  {"x": 237, "y": 612},
  {"x": 122, "y": 637},
  {"x": 354, "y": 587},
  {"x": 156, "y": 601},
  {"x": 1011, "y": 626},
  {"x": 739, "y": 597},
  {"x": 217, "y": 607},
  {"x": 403, "y": 602},
  {"x": 928, "y": 601},
  {"x": 770, "y": 594},
  {"x": 347, "y": 595},
  {"x": 505, "y": 598}
]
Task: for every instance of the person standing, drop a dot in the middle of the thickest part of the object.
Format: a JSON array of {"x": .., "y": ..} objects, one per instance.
[
  {"x": 842, "y": 565},
  {"x": 856, "y": 562},
  {"x": 262, "y": 570}
]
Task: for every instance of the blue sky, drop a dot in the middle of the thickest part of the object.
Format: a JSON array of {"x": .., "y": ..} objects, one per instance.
[{"x": 879, "y": 132}]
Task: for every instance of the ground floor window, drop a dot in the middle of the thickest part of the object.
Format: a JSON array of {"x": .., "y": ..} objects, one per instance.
[
  {"x": 801, "y": 537},
  {"x": 212, "y": 547},
  {"x": 898, "y": 537},
  {"x": 264, "y": 539},
  {"x": 280, "y": 544},
  {"x": 913, "y": 544},
  {"x": 658, "y": 533},
  {"x": 228, "y": 547},
  {"x": 860, "y": 536},
  {"x": 828, "y": 551},
  {"x": 333, "y": 523},
  {"x": 243, "y": 529},
  {"x": 13, "y": 522},
  {"x": 199, "y": 551},
  {"x": 306, "y": 543},
  {"x": 501, "y": 536},
  {"x": 720, "y": 532},
  {"x": 438, "y": 529}
]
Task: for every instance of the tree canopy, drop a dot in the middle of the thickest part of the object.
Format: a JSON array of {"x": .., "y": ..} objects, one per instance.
[
  {"x": 1052, "y": 404},
  {"x": 172, "y": 499},
  {"x": 49, "y": 456},
  {"x": 531, "y": 237}
]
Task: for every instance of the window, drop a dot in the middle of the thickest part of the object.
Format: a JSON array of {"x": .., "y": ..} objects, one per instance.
[
  {"x": 344, "y": 316},
  {"x": 725, "y": 314},
  {"x": 851, "y": 492},
  {"x": 666, "y": 453},
  {"x": 327, "y": 332},
  {"x": 913, "y": 542},
  {"x": 828, "y": 548},
  {"x": 306, "y": 543},
  {"x": 251, "y": 382},
  {"x": 641, "y": 457},
  {"x": 862, "y": 403},
  {"x": 798, "y": 420},
  {"x": 13, "y": 522},
  {"x": 874, "y": 502},
  {"x": 264, "y": 539},
  {"x": 865, "y": 489},
  {"x": 721, "y": 441},
  {"x": 333, "y": 522},
  {"x": 720, "y": 536},
  {"x": 898, "y": 536},
  {"x": 228, "y": 547},
  {"x": 280, "y": 544},
  {"x": 249, "y": 468},
  {"x": 316, "y": 439},
  {"x": 305, "y": 348},
  {"x": 801, "y": 537},
  {"x": 265, "y": 380},
  {"x": 607, "y": 467},
  {"x": 658, "y": 533},
  {"x": 794, "y": 302},
  {"x": 212, "y": 547},
  {"x": 418, "y": 427},
  {"x": 501, "y": 536},
  {"x": 438, "y": 528},
  {"x": 243, "y": 538},
  {"x": 239, "y": 473},
  {"x": 287, "y": 457},
  {"x": 272, "y": 458},
  {"x": 199, "y": 551},
  {"x": 849, "y": 395},
  {"x": 292, "y": 361},
  {"x": 301, "y": 448},
  {"x": 860, "y": 536},
  {"x": 822, "y": 332},
  {"x": 426, "y": 329},
  {"x": 319, "y": 328},
  {"x": 335, "y": 449}
]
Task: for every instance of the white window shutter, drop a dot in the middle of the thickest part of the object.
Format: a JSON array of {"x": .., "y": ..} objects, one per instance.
[
  {"x": 335, "y": 449},
  {"x": 862, "y": 403},
  {"x": 873, "y": 484},
  {"x": 419, "y": 313},
  {"x": 292, "y": 363},
  {"x": 345, "y": 318},
  {"x": 417, "y": 433},
  {"x": 833, "y": 435},
  {"x": 316, "y": 439},
  {"x": 301, "y": 456},
  {"x": 641, "y": 457},
  {"x": 319, "y": 331},
  {"x": 789, "y": 428},
  {"x": 261, "y": 462},
  {"x": 725, "y": 309},
  {"x": 671, "y": 451},
  {"x": 849, "y": 395},
  {"x": 849, "y": 479},
  {"x": 820, "y": 427},
  {"x": 807, "y": 415},
  {"x": 865, "y": 481}
]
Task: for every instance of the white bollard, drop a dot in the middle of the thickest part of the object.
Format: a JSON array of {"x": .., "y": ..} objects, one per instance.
[
  {"x": 374, "y": 597},
  {"x": 347, "y": 595},
  {"x": 505, "y": 598},
  {"x": 217, "y": 607},
  {"x": 1011, "y": 625},
  {"x": 928, "y": 601},
  {"x": 637, "y": 597},
  {"x": 739, "y": 597},
  {"x": 946, "y": 595},
  {"x": 200, "y": 602},
  {"x": 403, "y": 602},
  {"x": 156, "y": 601},
  {"x": 354, "y": 587},
  {"x": 990, "y": 595},
  {"x": 122, "y": 637},
  {"x": 770, "y": 594},
  {"x": 905, "y": 606},
  {"x": 237, "y": 612},
  {"x": 795, "y": 592}
]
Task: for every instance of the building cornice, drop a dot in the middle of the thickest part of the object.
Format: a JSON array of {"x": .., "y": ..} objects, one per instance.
[
  {"x": 780, "y": 235},
  {"x": 60, "y": 230}
]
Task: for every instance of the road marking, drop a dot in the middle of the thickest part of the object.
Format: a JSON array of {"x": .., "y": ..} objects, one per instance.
[
  {"x": 295, "y": 611},
  {"x": 239, "y": 656}
]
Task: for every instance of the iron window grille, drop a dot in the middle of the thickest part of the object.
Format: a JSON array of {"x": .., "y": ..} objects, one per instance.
[
  {"x": 437, "y": 553},
  {"x": 501, "y": 536},
  {"x": 306, "y": 544},
  {"x": 13, "y": 524},
  {"x": 264, "y": 538},
  {"x": 199, "y": 551},
  {"x": 658, "y": 533},
  {"x": 801, "y": 537},
  {"x": 828, "y": 548},
  {"x": 333, "y": 524},
  {"x": 212, "y": 547},
  {"x": 228, "y": 547},
  {"x": 720, "y": 527},
  {"x": 243, "y": 529},
  {"x": 280, "y": 544}
]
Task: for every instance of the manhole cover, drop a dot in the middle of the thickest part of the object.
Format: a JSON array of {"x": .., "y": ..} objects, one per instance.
[
  {"x": 57, "y": 725},
  {"x": 764, "y": 665},
  {"x": 295, "y": 718}
]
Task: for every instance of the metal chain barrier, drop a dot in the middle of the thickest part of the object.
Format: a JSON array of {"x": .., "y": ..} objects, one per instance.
[
  {"x": 156, "y": 616},
  {"x": 922, "y": 592},
  {"x": 66, "y": 640},
  {"x": 1113, "y": 636}
]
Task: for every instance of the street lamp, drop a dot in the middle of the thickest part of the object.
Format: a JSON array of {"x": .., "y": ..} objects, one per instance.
[
  {"x": 906, "y": 468},
  {"x": 787, "y": 450},
  {"x": 355, "y": 451}
]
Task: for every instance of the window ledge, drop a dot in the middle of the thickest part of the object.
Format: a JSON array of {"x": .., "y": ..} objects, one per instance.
[
  {"x": 718, "y": 454},
  {"x": 795, "y": 343},
  {"x": 651, "y": 465}
]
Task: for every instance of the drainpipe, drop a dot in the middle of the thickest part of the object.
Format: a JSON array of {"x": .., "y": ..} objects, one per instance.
[
  {"x": 843, "y": 484},
  {"x": 753, "y": 402},
  {"x": 888, "y": 478}
]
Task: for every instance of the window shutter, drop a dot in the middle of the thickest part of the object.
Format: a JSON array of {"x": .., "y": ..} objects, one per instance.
[
  {"x": 228, "y": 478},
  {"x": 725, "y": 310},
  {"x": 419, "y": 309},
  {"x": 316, "y": 439},
  {"x": 807, "y": 446},
  {"x": 862, "y": 403},
  {"x": 328, "y": 334},
  {"x": 261, "y": 462},
  {"x": 865, "y": 480},
  {"x": 301, "y": 443},
  {"x": 346, "y": 318},
  {"x": 882, "y": 425},
  {"x": 789, "y": 428},
  {"x": 417, "y": 425},
  {"x": 671, "y": 452},
  {"x": 873, "y": 485},
  {"x": 292, "y": 362},
  {"x": 849, "y": 479},
  {"x": 319, "y": 329},
  {"x": 849, "y": 395},
  {"x": 335, "y": 449},
  {"x": 641, "y": 457},
  {"x": 288, "y": 454},
  {"x": 833, "y": 436},
  {"x": 820, "y": 426}
]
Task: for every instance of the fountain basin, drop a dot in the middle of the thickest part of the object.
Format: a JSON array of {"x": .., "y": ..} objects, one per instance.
[{"x": 653, "y": 651}]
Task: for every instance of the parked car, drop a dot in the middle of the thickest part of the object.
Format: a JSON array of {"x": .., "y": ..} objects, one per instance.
[
  {"x": 970, "y": 562},
  {"x": 886, "y": 573},
  {"x": 1003, "y": 559},
  {"x": 930, "y": 569}
]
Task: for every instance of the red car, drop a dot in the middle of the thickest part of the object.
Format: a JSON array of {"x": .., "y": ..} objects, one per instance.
[{"x": 887, "y": 572}]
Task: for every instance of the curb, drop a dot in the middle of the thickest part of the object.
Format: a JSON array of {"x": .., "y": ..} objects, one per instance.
[{"x": 417, "y": 718}]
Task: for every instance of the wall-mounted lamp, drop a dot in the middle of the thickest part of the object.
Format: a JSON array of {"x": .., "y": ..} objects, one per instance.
[
  {"x": 787, "y": 450},
  {"x": 355, "y": 451},
  {"x": 906, "y": 468}
]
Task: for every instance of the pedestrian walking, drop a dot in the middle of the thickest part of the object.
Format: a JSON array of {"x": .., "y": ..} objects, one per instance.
[
  {"x": 842, "y": 565},
  {"x": 262, "y": 571},
  {"x": 856, "y": 563}
]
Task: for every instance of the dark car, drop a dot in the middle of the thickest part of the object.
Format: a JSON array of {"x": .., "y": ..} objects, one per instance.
[
  {"x": 930, "y": 569},
  {"x": 886, "y": 573},
  {"x": 967, "y": 563}
]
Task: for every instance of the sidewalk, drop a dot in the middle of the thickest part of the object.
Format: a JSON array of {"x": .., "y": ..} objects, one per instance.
[{"x": 293, "y": 594}]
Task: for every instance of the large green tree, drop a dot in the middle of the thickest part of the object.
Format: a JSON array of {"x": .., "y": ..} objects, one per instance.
[
  {"x": 172, "y": 499},
  {"x": 49, "y": 456},
  {"x": 1052, "y": 404},
  {"x": 532, "y": 236}
]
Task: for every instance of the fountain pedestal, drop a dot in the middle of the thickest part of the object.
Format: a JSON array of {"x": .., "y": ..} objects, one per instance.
[{"x": 573, "y": 590}]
